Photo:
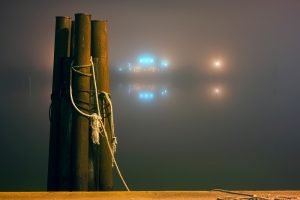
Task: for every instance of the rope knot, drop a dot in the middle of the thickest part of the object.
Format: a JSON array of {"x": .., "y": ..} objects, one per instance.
[
  {"x": 96, "y": 128},
  {"x": 114, "y": 144}
]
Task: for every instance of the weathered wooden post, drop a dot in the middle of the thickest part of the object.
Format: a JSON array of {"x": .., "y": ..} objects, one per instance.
[
  {"x": 77, "y": 161},
  {"x": 99, "y": 51},
  {"x": 64, "y": 139},
  {"x": 61, "y": 52},
  {"x": 81, "y": 94},
  {"x": 72, "y": 39}
]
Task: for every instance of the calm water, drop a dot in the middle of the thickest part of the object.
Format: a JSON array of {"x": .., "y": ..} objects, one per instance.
[
  {"x": 187, "y": 133},
  {"x": 203, "y": 133}
]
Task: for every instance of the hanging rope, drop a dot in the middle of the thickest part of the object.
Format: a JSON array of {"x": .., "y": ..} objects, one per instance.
[
  {"x": 111, "y": 119},
  {"x": 96, "y": 120},
  {"x": 96, "y": 128}
]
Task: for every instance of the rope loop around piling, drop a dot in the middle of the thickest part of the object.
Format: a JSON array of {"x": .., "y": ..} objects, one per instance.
[{"x": 97, "y": 123}]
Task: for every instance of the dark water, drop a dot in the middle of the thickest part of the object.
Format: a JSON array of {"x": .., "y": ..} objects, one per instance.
[
  {"x": 174, "y": 133},
  {"x": 204, "y": 133}
]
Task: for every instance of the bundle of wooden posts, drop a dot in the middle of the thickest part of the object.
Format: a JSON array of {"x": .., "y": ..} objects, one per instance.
[{"x": 75, "y": 163}]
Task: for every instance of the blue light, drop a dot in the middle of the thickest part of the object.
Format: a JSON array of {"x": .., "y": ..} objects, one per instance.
[
  {"x": 164, "y": 92},
  {"x": 146, "y": 60},
  {"x": 164, "y": 63},
  {"x": 146, "y": 96}
]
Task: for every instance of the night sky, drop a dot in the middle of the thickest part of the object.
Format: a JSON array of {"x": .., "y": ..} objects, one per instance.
[{"x": 246, "y": 136}]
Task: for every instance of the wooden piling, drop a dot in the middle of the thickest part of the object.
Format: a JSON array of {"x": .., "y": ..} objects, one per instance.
[
  {"x": 64, "y": 163},
  {"x": 72, "y": 39},
  {"x": 81, "y": 94},
  {"x": 99, "y": 51},
  {"x": 61, "y": 52}
]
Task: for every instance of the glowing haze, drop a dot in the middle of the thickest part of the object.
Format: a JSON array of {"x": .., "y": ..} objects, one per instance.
[{"x": 225, "y": 115}]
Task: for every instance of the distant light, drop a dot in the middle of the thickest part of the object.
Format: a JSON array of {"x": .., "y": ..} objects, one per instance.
[
  {"x": 146, "y": 60},
  {"x": 217, "y": 64},
  {"x": 120, "y": 69},
  {"x": 145, "y": 95},
  {"x": 217, "y": 90},
  {"x": 164, "y": 63},
  {"x": 164, "y": 92}
]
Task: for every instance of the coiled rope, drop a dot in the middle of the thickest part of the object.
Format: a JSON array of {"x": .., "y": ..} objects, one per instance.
[{"x": 96, "y": 119}]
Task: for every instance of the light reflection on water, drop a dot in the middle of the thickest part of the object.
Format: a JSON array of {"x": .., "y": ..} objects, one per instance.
[
  {"x": 155, "y": 92},
  {"x": 173, "y": 133},
  {"x": 147, "y": 92},
  {"x": 209, "y": 125}
]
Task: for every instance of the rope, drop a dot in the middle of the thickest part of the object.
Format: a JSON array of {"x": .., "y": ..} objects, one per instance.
[
  {"x": 112, "y": 127},
  {"x": 96, "y": 122},
  {"x": 111, "y": 119},
  {"x": 95, "y": 86},
  {"x": 251, "y": 196},
  {"x": 81, "y": 73},
  {"x": 96, "y": 128},
  {"x": 232, "y": 192},
  {"x": 71, "y": 96}
]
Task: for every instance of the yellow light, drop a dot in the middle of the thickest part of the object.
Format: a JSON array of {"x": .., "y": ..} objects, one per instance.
[
  {"x": 217, "y": 64},
  {"x": 217, "y": 91}
]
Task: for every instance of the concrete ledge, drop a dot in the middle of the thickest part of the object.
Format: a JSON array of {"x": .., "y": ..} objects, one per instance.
[{"x": 145, "y": 195}]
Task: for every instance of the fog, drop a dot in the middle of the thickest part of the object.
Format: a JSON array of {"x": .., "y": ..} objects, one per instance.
[{"x": 187, "y": 137}]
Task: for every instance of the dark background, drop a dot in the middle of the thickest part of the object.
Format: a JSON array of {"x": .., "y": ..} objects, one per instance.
[{"x": 247, "y": 138}]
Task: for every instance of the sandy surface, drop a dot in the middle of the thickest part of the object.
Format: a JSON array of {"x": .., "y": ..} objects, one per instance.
[{"x": 145, "y": 195}]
